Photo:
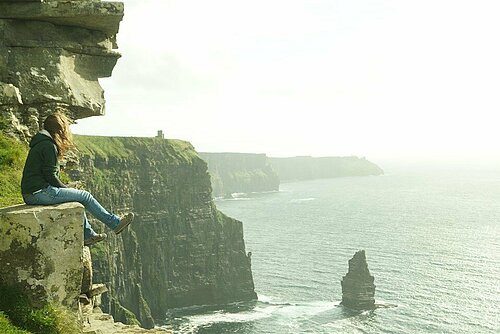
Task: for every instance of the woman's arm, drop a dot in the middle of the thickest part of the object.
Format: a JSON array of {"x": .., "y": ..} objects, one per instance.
[{"x": 50, "y": 166}]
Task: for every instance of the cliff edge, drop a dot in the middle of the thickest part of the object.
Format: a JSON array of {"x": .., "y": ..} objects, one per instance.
[{"x": 180, "y": 251}]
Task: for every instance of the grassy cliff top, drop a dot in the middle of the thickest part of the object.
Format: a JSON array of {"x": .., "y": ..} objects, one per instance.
[
  {"x": 12, "y": 157},
  {"x": 7, "y": 327},
  {"x": 132, "y": 147}
]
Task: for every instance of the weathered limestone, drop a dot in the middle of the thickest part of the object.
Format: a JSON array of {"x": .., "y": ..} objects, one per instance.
[
  {"x": 358, "y": 289},
  {"x": 52, "y": 55},
  {"x": 9, "y": 94},
  {"x": 41, "y": 251},
  {"x": 87, "y": 271}
]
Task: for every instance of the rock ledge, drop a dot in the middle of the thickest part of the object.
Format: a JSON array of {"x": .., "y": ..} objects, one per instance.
[{"x": 93, "y": 15}]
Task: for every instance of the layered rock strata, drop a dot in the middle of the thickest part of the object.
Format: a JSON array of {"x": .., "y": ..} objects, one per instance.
[
  {"x": 180, "y": 250},
  {"x": 240, "y": 173},
  {"x": 41, "y": 252},
  {"x": 358, "y": 289},
  {"x": 52, "y": 55}
]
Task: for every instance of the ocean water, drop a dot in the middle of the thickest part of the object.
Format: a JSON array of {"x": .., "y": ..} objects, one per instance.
[{"x": 432, "y": 241}]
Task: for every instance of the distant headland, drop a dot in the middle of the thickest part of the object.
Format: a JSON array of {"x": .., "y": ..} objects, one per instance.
[{"x": 249, "y": 172}]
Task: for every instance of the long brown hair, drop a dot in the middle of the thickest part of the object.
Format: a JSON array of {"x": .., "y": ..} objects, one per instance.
[{"x": 57, "y": 125}]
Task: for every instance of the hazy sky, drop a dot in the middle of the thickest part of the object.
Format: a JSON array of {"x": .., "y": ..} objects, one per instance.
[{"x": 374, "y": 78}]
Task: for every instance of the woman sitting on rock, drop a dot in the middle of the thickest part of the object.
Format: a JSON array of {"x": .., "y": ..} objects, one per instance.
[{"x": 40, "y": 184}]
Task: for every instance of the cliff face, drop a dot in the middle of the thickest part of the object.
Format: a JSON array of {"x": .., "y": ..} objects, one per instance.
[
  {"x": 240, "y": 172},
  {"x": 51, "y": 55},
  {"x": 246, "y": 172},
  {"x": 181, "y": 250},
  {"x": 308, "y": 168}
]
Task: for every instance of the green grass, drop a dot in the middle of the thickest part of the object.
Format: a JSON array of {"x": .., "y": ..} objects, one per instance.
[
  {"x": 99, "y": 251},
  {"x": 7, "y": 328},
  {"x": 12, "y": 157},
  {"x": 103, "y": 147},
  {"x": 131, "y": 147},
  {"x": 17, "y": 310},
  {"x": 184, "y": 149}
]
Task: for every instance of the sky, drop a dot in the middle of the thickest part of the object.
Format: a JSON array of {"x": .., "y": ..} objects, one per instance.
[{"x": 384, "y": 79}]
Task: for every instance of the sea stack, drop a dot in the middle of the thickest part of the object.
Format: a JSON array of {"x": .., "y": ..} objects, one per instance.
[{"x": 358, "y": 289}]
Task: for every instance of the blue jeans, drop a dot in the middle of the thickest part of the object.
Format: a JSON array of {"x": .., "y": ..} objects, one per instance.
[{"x": 53, "y": 195}]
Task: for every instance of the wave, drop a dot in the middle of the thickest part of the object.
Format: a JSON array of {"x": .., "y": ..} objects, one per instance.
[
  {"x": 239, "y": 196},
  {"x": 265, "y": 307},
  {"x": 224, "y": 317},
  {"x": 265, "y": 299},
  {"x": 266, "y": 192},
  {"x": 237, "y": 199},
  {"x": 299, "y": 200}
]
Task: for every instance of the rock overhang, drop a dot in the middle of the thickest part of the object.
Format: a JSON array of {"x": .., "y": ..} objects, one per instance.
[
  {"x": 52, "y": 54},
  {"x": 102, "y": 16}
]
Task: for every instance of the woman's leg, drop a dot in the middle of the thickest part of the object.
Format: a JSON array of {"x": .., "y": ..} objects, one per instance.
[
  {"x": 42, "y": 198},
  {"x": 88, "y": 231},
  {"x": 53, "y": 195}
]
